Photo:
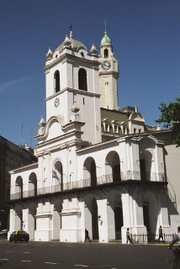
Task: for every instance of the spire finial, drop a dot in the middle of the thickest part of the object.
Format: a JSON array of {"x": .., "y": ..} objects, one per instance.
[
  {"x": 105, "y": 27},
  {"x": 70, "y": 33}
]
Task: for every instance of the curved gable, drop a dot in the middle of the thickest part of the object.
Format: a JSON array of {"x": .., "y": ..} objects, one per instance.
[
  {"x": 136, "y": 116},
  {"x": 54, "y": 127}
]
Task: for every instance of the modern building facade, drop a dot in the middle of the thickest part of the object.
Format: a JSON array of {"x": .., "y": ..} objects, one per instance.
[{"x": 98, "y": 167}]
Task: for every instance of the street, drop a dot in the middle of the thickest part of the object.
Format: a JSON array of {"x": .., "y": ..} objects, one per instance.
[{"x": 53, "y": 255}]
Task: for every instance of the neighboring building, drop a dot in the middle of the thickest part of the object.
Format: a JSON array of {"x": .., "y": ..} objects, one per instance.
[
  {"x": 11, "y": 157},
  {"x": 98, "y": 167},
  {"x": 172, "y": 166}
]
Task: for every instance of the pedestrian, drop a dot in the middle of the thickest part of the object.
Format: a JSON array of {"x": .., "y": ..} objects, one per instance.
[
  {"x": 87, "y": 236},
  {"x": 128, "y": 237},
  {"x": 176, "y": 238},
  {"x": 160, "y": 233}
]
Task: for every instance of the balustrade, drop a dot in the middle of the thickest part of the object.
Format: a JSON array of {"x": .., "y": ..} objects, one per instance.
[{"x": 101, "y": 180}]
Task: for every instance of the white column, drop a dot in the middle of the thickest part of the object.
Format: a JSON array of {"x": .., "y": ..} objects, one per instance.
[
  {"x": 163, "y": 218},
  {"x": 102, "y": 220},
  {"x": 127, "y": 215},
  {"x": 44, "y": 222},
  {"x": 28, "y": 222},
  {"x": 11, "y": 222},
  {"x": 133, "y": 217},
  {"x": 111, "y": 223},
  {"x": 56, "y": 225},
  {"x": 87, "y": 221},
  {"x": 71, "y": 221}
]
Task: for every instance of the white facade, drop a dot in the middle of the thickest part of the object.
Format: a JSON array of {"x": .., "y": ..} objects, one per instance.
[{"x": 81, "y": 180}]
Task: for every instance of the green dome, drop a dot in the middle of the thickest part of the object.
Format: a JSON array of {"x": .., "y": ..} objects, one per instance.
[{"x": 105, "y": 40}]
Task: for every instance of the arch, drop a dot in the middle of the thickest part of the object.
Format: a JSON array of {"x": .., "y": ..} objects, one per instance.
[
  {"x": 82, "y": 79},
  {"x": 112, "y": 166},
  {"x": 94, "y": 212},
  {"x": 89, "y": 171},
  {"x": 150, "y": 213},
  {"x": 106, "y": 53},
  {"x": 148, "y": 158},
  {"x": 145, "y": 165},
  {"x": 57, "y": 81},
  {"x": 19, "y": 187},
  {"x": 117, "y": 222},
  {"x": 91, "y": 216},
  {"x": 32, "y": 184},
  {"x": 57, "y": 175}
]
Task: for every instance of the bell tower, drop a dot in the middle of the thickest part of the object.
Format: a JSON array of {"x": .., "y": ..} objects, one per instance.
[
  {"x": 108, "y": 75},
  {"x": 72, "y": 88}
]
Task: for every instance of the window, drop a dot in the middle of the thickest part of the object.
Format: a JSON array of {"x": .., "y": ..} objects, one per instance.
[
  {"x": 106, "y": 54},
  {"x": 82, "y": 79},
  {"x": 57, "y": 81},
  {"x": 57, "y": 175}
]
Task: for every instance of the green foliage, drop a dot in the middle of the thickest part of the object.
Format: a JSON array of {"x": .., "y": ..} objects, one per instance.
[{"x": 170, "y": 118}]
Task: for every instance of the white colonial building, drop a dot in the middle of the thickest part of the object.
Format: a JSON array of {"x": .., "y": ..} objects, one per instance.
[{"x": 99, "y": 167}]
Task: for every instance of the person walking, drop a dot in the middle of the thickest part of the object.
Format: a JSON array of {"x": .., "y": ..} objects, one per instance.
[
  {"x": 87, "y": 236},
  {"x": 160, "y": 233},
  {"x": 176, "y": 238},
  {"x": 128, "y": 237}
]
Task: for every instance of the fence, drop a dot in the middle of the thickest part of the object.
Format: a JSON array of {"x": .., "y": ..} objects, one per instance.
[{"x": 151, "y": 238}]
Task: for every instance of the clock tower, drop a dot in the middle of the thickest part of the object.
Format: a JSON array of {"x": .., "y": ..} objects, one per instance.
[{"x": 108, "y": 75}]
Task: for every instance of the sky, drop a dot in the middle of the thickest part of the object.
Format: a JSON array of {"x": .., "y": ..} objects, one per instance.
[{"x": 146, "y": 42}]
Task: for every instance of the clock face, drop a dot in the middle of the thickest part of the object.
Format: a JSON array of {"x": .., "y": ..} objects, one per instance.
[{"x": 106, "y": 65}]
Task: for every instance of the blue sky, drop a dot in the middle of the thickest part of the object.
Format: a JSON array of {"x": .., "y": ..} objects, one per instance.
[{"x": 146, "y": 40}]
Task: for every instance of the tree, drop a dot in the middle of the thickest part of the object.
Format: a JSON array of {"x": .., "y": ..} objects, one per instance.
[{"x": 170, "y": 118}]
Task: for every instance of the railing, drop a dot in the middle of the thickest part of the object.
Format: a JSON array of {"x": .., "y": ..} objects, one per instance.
[
  {"x": 101, "y": 180},
  {"x": 151, "y": 238},
  {"x": 130, "y": 175}
]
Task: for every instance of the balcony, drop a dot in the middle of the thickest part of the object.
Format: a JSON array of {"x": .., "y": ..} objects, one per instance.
[{"x": 87, "y": 183}]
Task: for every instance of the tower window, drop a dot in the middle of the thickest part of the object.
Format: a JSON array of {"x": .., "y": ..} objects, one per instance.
[
  {"x": 82, "y": 79},
  {"x": 106, "y": 54},
  {"x": 57, "y": 81}
]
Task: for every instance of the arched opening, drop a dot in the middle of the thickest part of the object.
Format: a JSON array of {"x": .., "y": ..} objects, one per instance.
[
  {"x": 151, "y": 213},
  {"x": 146, "y": 216},
  {"x": 19, "y": 187},
  {"x": 95, "y": 232},
  {"x": 115, "y": 216},
  {"x": 57, "y": 176},
  {"x": 90, "y": 171},
  {"x": 82, "y": 79},
  {"x": 145, "y": 165},
  {"x": 148, "y": 160},
  {"x": 106, "y": 53},
  {"x": 32, "y": 184},
  {"x": 118, "y": 217},
  {"x": 57, "y": 81},
  {"x": 113, "y": 166}
]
